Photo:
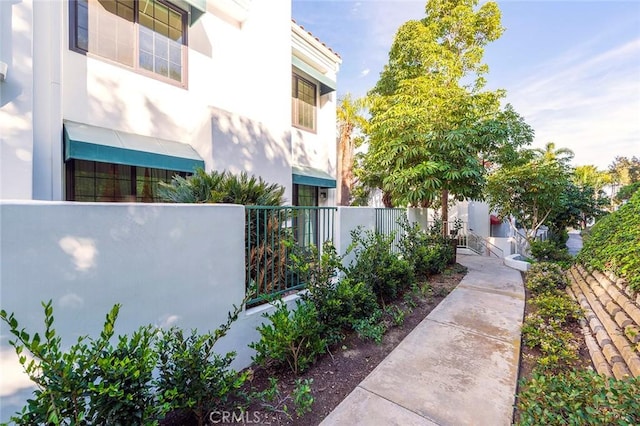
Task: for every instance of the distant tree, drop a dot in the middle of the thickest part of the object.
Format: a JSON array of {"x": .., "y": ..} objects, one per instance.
[
  {"x": 528, "y": 193},
  {"x": 432, "y": 125},
  {"x": 625, "y": 170},
  {"x": 350, "y": 118},
  {"x": 589, "y": 175},
  {"x": 562, "y": 155}
]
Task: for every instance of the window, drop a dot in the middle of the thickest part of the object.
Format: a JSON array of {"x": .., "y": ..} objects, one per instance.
[
  {"x": 97, "y": 181},
  {"x": 306, "y": 223},
  {"x": 303, "y": 103},
  {"x": 146, "y": 35}
]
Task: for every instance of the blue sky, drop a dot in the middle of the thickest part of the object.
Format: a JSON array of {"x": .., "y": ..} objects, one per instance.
[{"x": 571, "y": 68}]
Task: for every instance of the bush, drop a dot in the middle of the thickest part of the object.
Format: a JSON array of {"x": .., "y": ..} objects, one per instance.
[
  {"x": 96, "y": 383},
  {"x": 338, "y": 302},
  {"x": 545, "y": 277},
  {"x": 293, "y": 338},
  {"x": 549, "y": 251},
  {"x": 427, "y": 253},
  {"x": 614, "y": 243},
  {"x": 371, "y": 328},
  {"x": 91, "y": 382},
  {"x": 222, "y": 187},
  {"x": 193, "y": 378},
  {"x": 557, "y": 346},
  {"x": 377, "y": 266},
  {"x": 557, "y": 306},
  {"x": 578, "y": 398}
]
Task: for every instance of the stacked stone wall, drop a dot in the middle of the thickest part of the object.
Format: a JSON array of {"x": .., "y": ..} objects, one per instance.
[{"x": 611, "y": 322}]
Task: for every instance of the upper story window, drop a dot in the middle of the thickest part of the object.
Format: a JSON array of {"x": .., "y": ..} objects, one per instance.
[
  {"x": 146, "y": 35},
  {"x": 303, "y": 103}
]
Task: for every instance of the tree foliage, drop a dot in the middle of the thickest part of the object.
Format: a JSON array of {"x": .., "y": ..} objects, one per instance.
[
  {"x": 625, "y": 170},
  {"x": 433, "y": 128},
  {"x": 529, "y": 193}
]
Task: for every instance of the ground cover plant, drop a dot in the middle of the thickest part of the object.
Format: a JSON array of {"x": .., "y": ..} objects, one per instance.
[
  {"x": 558, "y": 385},
  {"x": 614, "y": 243}
]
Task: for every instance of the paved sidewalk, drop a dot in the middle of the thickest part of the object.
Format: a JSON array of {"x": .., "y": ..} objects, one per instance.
[{"x": 459, "y": 366}]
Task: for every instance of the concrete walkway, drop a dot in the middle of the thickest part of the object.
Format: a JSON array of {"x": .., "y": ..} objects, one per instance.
[
  {"x": 459, "y": 366},
  {"x": 574, "y": 243}
]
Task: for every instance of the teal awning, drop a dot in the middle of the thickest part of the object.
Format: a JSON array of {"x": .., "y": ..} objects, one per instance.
[
  {"x": 84, "y": 142},
  {"x": 198, "y": 8},
  {"x": 326, "y": 84},
  {"x": 312, "y": 177}
]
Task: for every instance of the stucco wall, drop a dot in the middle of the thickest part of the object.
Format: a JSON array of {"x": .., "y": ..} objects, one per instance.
[
  {"x": 166, "y": 264},
  {"x": 16, "y": 100}
]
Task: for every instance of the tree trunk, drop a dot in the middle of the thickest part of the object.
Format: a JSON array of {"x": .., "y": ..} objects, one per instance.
[
  {"x": 345, "y": 166},
  {"x": 445, "y": 212},
  {"x": 386, "y": 199}
]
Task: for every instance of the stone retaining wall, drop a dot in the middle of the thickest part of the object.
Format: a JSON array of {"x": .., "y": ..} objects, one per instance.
[{"x": 612, "y": 321}]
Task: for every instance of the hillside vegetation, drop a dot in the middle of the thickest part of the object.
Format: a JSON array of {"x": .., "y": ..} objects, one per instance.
[{"x": 614, "y": 243}]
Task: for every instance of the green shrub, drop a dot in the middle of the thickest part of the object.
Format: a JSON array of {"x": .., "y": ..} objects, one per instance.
[
  {"x": 339, "y": 303},
  {"x": 376, "y": 265},
  {"x": 90, "y": 382},
  {"x": 274, "y": 401},
  {"x": 193, "y": 378},
  {"x": 292, "y": 338},
  {"x": 549, "y": 251},
  {"x": 578, "y": 398},
  {"x": 371, "y": 328},
  {"x": 557, "y": 306},
  {"x": 222, "y": 187},
  {"x": 396, "y": 314},
  {"x": 427, "y": 253},
  {"x": 545, "y": 277},
  {"x": 557, "y": 347},
  {"x": 614, "y": 243}
]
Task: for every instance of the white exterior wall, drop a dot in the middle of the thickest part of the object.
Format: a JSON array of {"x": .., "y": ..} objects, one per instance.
[
  {"x": 16, "y": 100},
  {"x": 347, "y": 219},
  {"x": 235, "y": 110}
]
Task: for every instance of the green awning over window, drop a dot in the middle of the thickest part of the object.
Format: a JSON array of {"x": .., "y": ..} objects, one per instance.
[
  {"x": 84, "y": 142},
  {"x": 313, "y": 177},
  {"x": 326, "y": 84}
]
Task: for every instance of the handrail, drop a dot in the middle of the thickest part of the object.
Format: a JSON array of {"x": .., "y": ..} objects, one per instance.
[{"x": 483, "y": 247}]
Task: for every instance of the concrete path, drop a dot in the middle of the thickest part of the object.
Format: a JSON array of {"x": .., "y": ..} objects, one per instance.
[
  {"x": 574, "y": 243},
  {"x": 459, "y": 366}
]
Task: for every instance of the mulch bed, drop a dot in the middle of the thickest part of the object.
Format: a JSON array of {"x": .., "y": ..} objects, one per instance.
[{"x": 336, "y": 374}]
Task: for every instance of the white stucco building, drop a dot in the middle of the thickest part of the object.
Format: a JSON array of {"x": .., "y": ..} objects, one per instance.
[{"x": 104, "y": 98}]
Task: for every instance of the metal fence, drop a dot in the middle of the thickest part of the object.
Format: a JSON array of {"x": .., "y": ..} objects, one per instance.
[
  {"x": 388, "y": 222},
  {"x": 270, "y": 236}
]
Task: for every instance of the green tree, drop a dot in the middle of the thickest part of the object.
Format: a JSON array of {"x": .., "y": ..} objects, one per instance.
[
  {"x": 589, "y": 175},
  {"x": 529, "y": 193},
  {"x": 625, "y": 170},
  {"x": 432, "y": 125},
  {"x": 350, "y": 118},
  {"x": 561, "y": 155}
]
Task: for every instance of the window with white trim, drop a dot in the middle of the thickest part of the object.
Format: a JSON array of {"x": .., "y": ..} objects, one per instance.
[
  {"x": 304, "y": 100},
  {"x": 147, "y": 35}
]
